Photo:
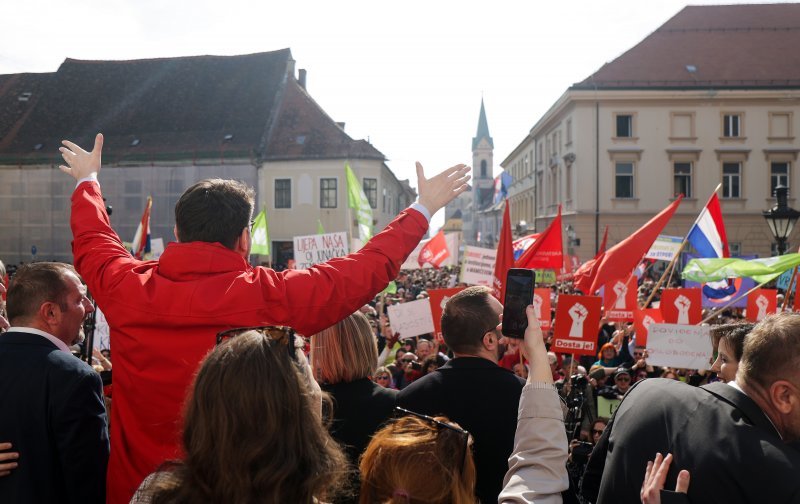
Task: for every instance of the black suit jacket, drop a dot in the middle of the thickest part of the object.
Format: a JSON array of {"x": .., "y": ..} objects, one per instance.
[
  {"x": 52, "y": 411},
  {"x": 729, "y": 446},
  {"x": 482, "y": 398}
]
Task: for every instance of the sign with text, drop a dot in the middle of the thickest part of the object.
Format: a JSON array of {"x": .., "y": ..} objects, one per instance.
[
  {"x": 664, "y": 248},
  {"x": 545, "y": 276},
  {"x": 314, "y": 249},
  {"x": 577, "y": 322},
  {"x": 760, "y": 303},
  {"x": 606, "y": 407},
  {"x": 642, "y": 320},
  {"x": 681, "y": 346},
  {"x": 620, "y": 299},
  {"x": 437, "y": 299},
  {"x": 541, "y": 305},
  {"x": 411, "y": 319},
  {"x": 681, "y": 306},
  {"x": 478, "y": 266}
]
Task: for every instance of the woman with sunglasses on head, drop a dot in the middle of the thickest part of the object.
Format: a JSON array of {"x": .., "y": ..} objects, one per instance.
[
  {"x": 344, "y": 357},
  {"x": 252, "y": 429}
]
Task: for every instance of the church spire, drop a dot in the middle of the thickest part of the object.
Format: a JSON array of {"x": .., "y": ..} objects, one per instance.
[{"x": 483, "y": 130}]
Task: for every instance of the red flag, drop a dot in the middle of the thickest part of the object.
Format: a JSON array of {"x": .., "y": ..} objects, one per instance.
[
  {"x": 547, "y": 251},
  {"x": 585, "y": 274},
  {"x": 641, "y": 323},
  {"x": 620, "y": 260},
  {"x": 437, "y": 298},
  {"x": 505, "y": 256},
  {"x": 435, "y": 251}
]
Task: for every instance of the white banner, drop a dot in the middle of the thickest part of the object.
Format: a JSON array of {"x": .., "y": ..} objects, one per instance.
[
  {"x": 478, "y": 265},
  {"x": 680, "y": 346},
  {"x": 452, "y": 246},
  {"x": 411, "y": 319},
  {"x": 314, "y": 249},
  {"x": 664, "y": 248}
]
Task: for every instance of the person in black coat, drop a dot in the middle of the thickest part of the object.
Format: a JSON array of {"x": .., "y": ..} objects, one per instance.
[
  {"x": 343, "y": 358},
  {"x": 471, "y": 389},
  {"x": 51, "y": 402},
  {"x": 735, "y": 439}
]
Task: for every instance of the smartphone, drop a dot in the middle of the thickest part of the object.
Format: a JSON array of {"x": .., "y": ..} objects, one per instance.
[{"x": 519, "y": 294}]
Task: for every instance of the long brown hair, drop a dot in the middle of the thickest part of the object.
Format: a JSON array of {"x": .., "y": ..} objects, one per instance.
[
  {"x": 345, "y": 351},
  {"x": 412, "y": 460},
  {"x": 253, "y": 432}
]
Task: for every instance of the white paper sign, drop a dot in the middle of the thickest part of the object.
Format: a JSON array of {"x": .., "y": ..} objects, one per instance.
[
  {"x": 411, "y": 319},
  {"x": 452, "y": 241},
  {"x": 664, "y": 248},
  {"x": 314, "y": 249},
  {"x": 681, "y": 346},
  {"x": 478, "y": 265}
]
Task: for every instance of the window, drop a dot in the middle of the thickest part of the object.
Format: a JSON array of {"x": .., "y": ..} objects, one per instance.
[
  {"x": 541, "y": 156},
  {"x": 371, "y": 190},
  {"x": 283, "y": 193},
  {"x": 385, "y": 200},
  {"x": 483, "y": 168},
  {"x": 624, "y": 126},
  {"x": 623, "y": 180},
  {"x": 735, "y": 248},
  {"x": 731, "y": 125},
  {"x": 327, "y": 193},
  {"x": 569, "y": 131},
  {"x": 731, "y": 180},
  {"x": 778, "y": 175},
  {"x": 682, "y": 172}
]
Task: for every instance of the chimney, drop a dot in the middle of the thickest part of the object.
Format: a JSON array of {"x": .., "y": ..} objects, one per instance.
[
  {"x": 340, "y": 124},
  {"x": 301, "y": 77}
]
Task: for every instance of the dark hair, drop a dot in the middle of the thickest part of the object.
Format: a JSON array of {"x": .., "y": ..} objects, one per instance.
[
  {"x": 214, "y": 210},
  {"x": 466, "y": 317},
  {"x": 35, "y": 284},
  {"x": 432, "y": 359},
  {"x": 253, "y": 431},
  {"x": 772, "y": 351},
  {"x": 733, "y": 335}
]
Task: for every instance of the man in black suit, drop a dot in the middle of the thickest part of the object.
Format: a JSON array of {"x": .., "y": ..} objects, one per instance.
[
  {"x": 733, "y": 438},
  {"x": 51, "y": 402},
  {"x": 472, "y": 389}
]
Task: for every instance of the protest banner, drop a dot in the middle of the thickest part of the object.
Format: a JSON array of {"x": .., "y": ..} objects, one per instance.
[
  {"x": 314, "y": 249},
  {"x": 642, "y": 320},
  {"x": 681, "y": 306},
  {"x": 411, "y": 319},
  {"x": 577, "y": 320},
  {"x": 664, "y": 248},
  {"x": 760, "y": 303},
  {"x": 478, "y": 266},
  {"x": 541, "y": 305},
  {"x": 437, "y": 299},
  {"x": 620, "y": 299},
  {"x": 681, "y": 346},
  {"x": 606, "y": 407},
  {"x": 545, "y": 276}
]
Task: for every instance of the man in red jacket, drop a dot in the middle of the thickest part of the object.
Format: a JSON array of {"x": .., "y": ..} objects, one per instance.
[{"x": 164, "y": 314}]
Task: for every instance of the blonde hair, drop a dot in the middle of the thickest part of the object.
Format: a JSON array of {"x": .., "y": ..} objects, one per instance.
[
  {"x": 345, "y": 351},
  {"x": 412, "y": 460}
]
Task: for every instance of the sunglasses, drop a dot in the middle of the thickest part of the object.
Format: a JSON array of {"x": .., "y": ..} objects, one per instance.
[
  {"x": 638, "y": 354},
  {"x": 401, "y": 412},
  {"x": 598, "y": 432},
  {"x": 386, "y": 377},
  {"x": 281, "y": 335}
]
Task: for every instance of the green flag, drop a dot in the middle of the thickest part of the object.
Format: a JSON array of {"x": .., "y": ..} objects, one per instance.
[
  {"x": 358, "y": 201},
  {"x": 260, "y": 235},
  {"x": 320, "y": 229},
  {"x": 390, "y": 289},
  {"x": 760, "y": 270}
]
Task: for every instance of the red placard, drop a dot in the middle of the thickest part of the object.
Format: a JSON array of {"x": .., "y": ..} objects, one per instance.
[
  {"x": 620, "y": 299},
  {"x": 681, "y": 306},
  {"x": 577, "y": 322},
  {"x": 760, "y": 303},
  {"x": 541, "y": 303},
  {"x": 642, "y": 320},
  {"x": 437, "y": 299}
]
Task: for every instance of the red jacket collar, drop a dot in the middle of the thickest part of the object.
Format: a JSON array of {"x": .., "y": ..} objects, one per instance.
[{"x": 186, "y": 261}]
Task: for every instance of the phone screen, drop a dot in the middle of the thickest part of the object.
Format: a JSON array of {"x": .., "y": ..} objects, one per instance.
[{"x": 519, "y": 294}]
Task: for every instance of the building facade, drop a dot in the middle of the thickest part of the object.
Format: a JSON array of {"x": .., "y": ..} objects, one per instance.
[{"x": 710, "y": 98}]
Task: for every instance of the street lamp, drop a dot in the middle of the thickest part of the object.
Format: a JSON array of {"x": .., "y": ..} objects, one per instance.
[{"x": 781, "y": 218}]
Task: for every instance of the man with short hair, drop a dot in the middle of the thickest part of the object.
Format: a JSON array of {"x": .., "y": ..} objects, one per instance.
[
  {"x": 471, "y": 389},
  {"x": 734, "y": 438},
  {"x": 51, "y": 402},
  {"x": 164, "y": 314}
]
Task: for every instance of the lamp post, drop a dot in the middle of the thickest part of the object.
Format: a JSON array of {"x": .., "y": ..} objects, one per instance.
[{"x": 781, "y": 218}]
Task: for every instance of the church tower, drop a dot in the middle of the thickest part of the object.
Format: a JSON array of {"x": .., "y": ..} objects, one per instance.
[{"x": 482, "y": 164}]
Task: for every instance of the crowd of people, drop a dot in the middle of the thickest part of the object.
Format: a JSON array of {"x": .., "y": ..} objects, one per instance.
[{"x": 241, "y": 384}]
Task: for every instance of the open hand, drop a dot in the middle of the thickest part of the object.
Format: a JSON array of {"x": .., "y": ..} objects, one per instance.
[
  {"x": 654, "y": 477},
  {"x": 441, "y": 189},
  {"x": 81, "y": 164},
  {"x": 8, "y": 460}
]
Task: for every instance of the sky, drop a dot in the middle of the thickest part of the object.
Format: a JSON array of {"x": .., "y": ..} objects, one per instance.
[{"x": 409, "y": 77}]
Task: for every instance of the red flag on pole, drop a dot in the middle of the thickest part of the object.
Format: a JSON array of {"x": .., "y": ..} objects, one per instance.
[
  {"x": 585, "y": 274},
  {"x": 505, "y": 256},
  {"x": 434, "y": 252},
  {"x": 141, "y": 241},
  {"x": 620, "y": 260},
  {"x": 547, "y": 251}
]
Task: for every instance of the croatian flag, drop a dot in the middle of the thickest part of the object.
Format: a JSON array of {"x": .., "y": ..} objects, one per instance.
[
  {"x": 141, "y": 241},
  {"x": 521, "y": 245},
  {"x": 708, "y": 237}
]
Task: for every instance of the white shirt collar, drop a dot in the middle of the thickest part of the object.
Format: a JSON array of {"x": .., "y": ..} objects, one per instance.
[{"x": 57, "y": 342}]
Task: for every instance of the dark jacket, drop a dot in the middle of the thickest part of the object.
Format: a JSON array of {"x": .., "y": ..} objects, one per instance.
[{"x": 482, "y": 398}]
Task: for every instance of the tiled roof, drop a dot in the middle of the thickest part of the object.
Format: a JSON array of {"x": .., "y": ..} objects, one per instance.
[
  {"x": 18, "y": 95},
  {"x": 729, "y": 46}
]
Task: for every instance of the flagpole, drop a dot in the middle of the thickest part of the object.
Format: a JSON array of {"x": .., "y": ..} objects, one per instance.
[
  {"x": 719, "y": 310},
  {"x": 661, "y": 280}
]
